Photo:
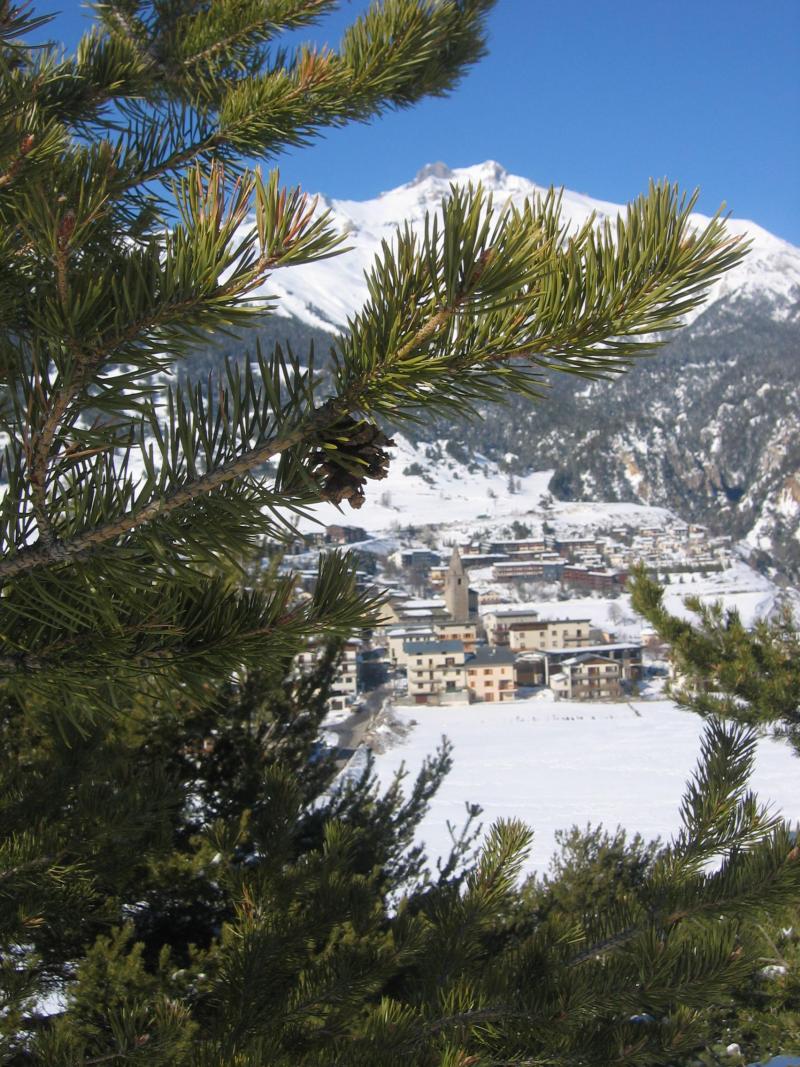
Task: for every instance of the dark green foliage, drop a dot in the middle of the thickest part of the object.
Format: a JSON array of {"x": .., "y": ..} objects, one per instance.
[
  {"x": 592, "y": 871},
  {"x": 761, "y": 1013},
  {"x": 724, "y": 669},
  {"x": 222, "y": 907}
]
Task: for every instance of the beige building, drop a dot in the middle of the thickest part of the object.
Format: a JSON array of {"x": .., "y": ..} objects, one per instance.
[
  {"x": 466, "y": 632},
  {"x": 497, "y": 620},
  {"x": 491, "y": 675},
  {"x": 547, "y": 634}
]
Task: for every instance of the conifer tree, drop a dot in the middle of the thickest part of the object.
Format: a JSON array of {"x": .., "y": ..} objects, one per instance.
[
  {"x": 724, "y": 668},
  {"x": 178, "y": 882},
  {"x": 751, "y": 675}
]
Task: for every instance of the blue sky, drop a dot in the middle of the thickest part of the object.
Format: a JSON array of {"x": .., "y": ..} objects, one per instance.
[{"x": 599, "y": 96}]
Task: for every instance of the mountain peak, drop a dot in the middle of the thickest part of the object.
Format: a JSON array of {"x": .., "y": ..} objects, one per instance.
[
  {"x": 490, "y": 172},
  {"x": 433, "y": 170}
]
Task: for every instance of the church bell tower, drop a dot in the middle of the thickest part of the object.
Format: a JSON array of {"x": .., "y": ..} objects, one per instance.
[{"x": 456, "y": 589}]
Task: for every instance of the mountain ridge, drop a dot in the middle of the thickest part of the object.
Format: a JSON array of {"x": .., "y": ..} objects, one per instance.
[
  {"x": 324, "y": 294},
  {"x": 708, "y": 427}
]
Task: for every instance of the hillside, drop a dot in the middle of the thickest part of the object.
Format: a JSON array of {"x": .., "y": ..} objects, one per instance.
[{"x": 707, "y": 428}]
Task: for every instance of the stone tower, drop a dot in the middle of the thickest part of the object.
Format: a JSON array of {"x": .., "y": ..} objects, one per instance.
[{"x": 456, "y": 589}]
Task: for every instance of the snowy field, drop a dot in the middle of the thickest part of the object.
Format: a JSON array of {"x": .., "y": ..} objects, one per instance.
[{"x": 555, "y": 764}]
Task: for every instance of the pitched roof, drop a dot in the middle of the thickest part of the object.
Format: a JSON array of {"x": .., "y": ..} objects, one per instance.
[{"x": 491, "y": 657}]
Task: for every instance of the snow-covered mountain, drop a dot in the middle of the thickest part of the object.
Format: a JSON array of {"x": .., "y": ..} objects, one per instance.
[
  {"x": 709, "y": 428},
  {"x": 324, "y": 294}
]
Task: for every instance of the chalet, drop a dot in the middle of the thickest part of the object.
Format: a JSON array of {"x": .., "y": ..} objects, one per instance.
[
  {"x": 530, "y": 670},
  {"x": 627, "y": 655}
]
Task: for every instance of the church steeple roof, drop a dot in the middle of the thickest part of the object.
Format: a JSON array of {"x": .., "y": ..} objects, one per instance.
[{"x": 456, "y": 566}]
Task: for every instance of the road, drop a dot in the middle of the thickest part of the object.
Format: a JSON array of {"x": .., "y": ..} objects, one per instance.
[{"x": 352, "y": 730}]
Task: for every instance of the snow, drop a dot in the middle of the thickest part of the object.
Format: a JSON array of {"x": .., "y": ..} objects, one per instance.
[
  {"x": 558, "y": 763},
  {"x": 458, "y": 495},
  {"x": 752, "y": 594},
  {"x": 453, "y": 497},
  {"x": 325, "y": 294}
]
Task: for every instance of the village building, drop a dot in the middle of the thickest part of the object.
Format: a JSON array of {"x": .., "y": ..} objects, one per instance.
[
  {"x": 436, "y": 576},
  {"x": 420, "y": 611},
  {"x": 491, "y": 675},
  {"x": 529, "y": 670},
  {"x": 550, "y": 633},
  {"x": 416, "y": 557},
  {"x": 587, "y": 677},
  {"x": 436, "y": 672},
  {"x": 606, "y": 581},
  {"x": 520, "y": 546},
  {"x": 346, "y": 682},
  {"x": 399, "y": 636},
  {"x": 466, "y": 632},
  {"x": 627, "y": 655},
  {"x": 481, "y": 559},
  {"x": 497, "y": 620},
  {"x": 576, "y": 546},
  {"x": 345, "y": 535},
  {"x": 541, "y": 569}
]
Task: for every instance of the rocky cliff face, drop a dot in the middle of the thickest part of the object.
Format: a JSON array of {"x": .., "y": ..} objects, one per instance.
[{"x": 708, "y": 428}]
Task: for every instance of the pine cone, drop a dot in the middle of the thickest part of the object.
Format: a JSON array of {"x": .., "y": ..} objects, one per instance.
[{"x": 358, "y": 454}]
